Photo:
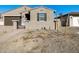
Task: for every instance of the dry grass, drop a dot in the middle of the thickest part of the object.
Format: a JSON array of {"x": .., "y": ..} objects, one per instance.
[{"x": 43, "y": 41}]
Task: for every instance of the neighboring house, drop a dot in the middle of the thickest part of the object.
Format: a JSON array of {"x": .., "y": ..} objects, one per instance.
[
  {"x": 70, "y": 19},
  {"x": 31, "y": 18}
]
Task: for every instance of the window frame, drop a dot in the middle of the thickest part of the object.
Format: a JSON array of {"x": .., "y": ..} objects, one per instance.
[{"x": 39, "y": 16}]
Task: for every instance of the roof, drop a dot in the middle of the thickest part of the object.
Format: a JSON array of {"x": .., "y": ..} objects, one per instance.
[
  {"x": 14, "y": 9},
  {"x": 71, "y": 13},
  {"x": 29, "y": 7}
]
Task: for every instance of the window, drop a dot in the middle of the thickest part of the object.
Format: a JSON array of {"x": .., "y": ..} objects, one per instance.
[
  {"x": 41, "y": 16},
  {"x": 27, "y": 16}
]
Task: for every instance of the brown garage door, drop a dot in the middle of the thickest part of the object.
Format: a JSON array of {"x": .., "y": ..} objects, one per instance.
[{"x": 8, "y": 20}]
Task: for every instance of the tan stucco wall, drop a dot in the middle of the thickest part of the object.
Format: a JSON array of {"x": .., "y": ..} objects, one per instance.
[{"x": 34, "y": 24}]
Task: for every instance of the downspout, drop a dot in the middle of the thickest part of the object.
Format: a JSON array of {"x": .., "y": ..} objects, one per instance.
[{"x": 55, "y": 22}]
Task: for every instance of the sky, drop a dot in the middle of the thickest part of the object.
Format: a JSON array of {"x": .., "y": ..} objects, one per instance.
[{"x": 58, "y": 8}]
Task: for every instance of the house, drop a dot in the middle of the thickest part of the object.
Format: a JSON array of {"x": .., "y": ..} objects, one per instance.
[
  {"x": 70, "y": 19},
  {"x": 67, "y": 23},
  {"x": 31, "y": 18}
]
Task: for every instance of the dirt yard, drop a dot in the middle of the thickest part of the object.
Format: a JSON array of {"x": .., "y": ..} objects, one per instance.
[{"x": 39, "y": 41}]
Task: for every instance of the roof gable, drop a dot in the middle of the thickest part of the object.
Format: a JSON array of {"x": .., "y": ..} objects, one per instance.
[{"x": 42, "y": 7}]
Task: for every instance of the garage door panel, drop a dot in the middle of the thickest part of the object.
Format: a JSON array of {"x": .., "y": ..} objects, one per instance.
[{"x": 8, "y": 20}]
